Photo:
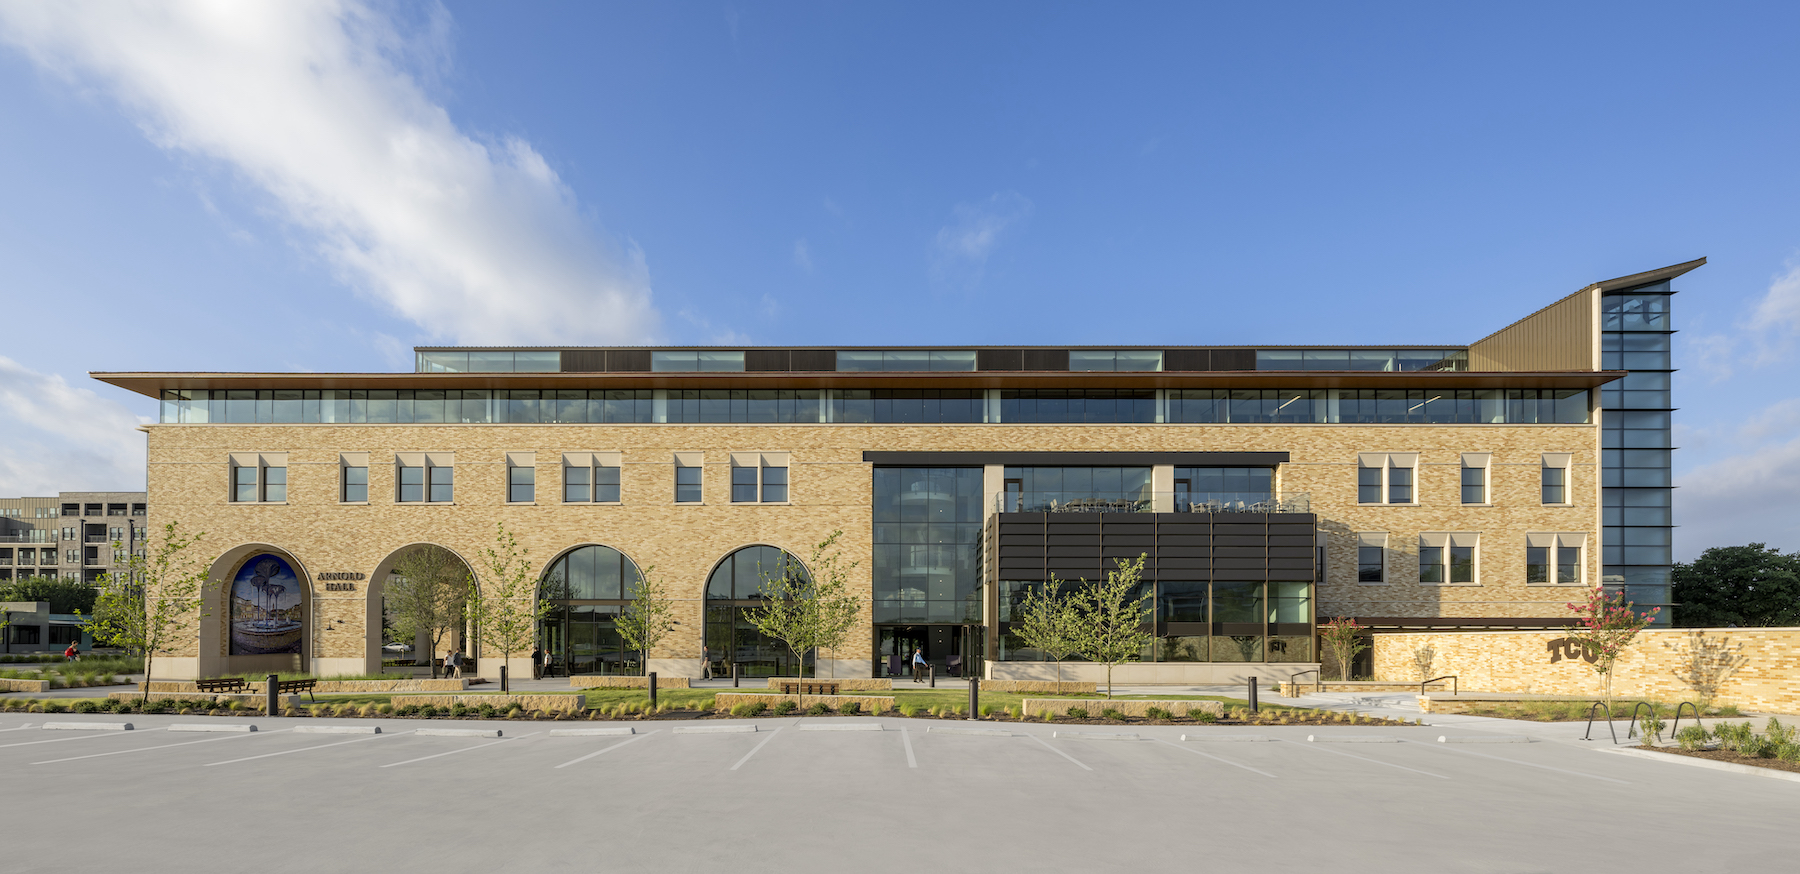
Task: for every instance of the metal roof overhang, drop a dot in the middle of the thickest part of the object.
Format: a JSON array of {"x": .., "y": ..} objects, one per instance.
[{"x": 153, "y": 384}]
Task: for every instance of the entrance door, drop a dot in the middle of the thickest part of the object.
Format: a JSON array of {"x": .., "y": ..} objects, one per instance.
[{"x": 946, "y": 647}]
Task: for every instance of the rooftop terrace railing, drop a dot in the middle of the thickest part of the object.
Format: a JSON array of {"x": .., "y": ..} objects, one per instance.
[{"x": 1153, "y": 502}]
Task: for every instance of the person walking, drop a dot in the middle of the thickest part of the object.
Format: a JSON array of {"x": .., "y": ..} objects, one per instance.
[
  {"x": 919, "y": 664},
  {"x": 453, "y": 664},
  {"x": 537, "y": 663},
  {"x": 706, "y": 662},
  {"x": 71, "y": 653}
]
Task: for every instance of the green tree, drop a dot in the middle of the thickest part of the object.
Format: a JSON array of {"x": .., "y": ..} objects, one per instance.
[
  {"x": 1112, "y": 616},
  {"x": 155, "y": 605},
  {"x": 790, "y": 611},
  {"x": 1048, "y": 621},
  {"x": 427, "y": 592},
  {"x": 1737, "y": 585},
  {"x": 837, "y": 609},
  {"x": 1344, "y": 640},
  {"x": 649, "y": 618},
  {"x": 65, "y": 595},
  {"x": 505, "y": 609},
  {"x": 1605, "y": 627}
]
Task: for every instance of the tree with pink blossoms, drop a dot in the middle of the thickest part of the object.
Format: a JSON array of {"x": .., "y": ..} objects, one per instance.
[{"x": 1605, "y": 625}]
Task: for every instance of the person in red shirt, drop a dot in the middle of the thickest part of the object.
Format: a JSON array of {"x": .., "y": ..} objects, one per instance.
[{"x": 70, "y": 653}]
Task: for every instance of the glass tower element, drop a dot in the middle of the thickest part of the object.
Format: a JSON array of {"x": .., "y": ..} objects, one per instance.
[{"x": 1636, "y": 487}]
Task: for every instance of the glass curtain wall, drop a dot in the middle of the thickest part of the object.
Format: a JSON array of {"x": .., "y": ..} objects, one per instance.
[
  {"x": 734, "y": 589},
  {"x": 587, "y": 588},
  {"x": 1636, "y": 488},
  {"x": 1055, "y": 489},
  {"x": 1198, "y": 621},
  {"x": 927, "y": 532}
]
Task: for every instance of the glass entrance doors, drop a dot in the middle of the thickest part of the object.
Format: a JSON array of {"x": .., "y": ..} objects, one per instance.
[{"x": 953, "y": 650}]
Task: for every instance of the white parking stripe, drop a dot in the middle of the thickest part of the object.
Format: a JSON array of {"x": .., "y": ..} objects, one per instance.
[
  {"x": 1057, "y": 751},
  {"x": 62, "y": 740},
  {"x": 17, "y": 728},
  {"x": 753, "y": 749},
  {"x": 157, "y": 747},
  {"x": 454, "y": 752},
  {"x": 304, "y": 749},
  {"x": 608, "y": 749},
  {"x": 1213, "y": 757},
  {"x": 1526, "y": 764},
  {"x": 906, "y": 739},
  {"x": 1306, "y": 746}
]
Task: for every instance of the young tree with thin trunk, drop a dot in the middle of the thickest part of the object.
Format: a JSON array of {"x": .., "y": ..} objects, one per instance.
[
  {"x": 649, "y": 618},
  {"x": 156, "y": 603},
  {"x": 837, "y": 609},
  {"x": 505, "y": 609},
  {"x": 1605, "y": 626},
  {"x": 790, "y": 610},
  {"x": 427, "y": 591},
  {"x": 1343, "y": 638},
  {"x": 1112, "y": 618},
  {"x": 1047, "y": 621}
]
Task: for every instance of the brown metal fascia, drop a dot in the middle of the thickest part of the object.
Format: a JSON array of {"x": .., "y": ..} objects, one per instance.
[{"x": 153, "y": 384}]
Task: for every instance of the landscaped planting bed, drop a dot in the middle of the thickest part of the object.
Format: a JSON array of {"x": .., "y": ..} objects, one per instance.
[{"x": 1565, "y": 710}]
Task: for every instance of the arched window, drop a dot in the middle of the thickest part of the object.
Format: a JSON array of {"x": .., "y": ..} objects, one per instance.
[
  {"x": 587, "y": 588},
  {"x": 733, "y": 591}
]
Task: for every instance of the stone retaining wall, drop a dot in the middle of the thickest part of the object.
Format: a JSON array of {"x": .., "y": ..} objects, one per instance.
[
  {"x": 1295, "y": 690},
  {"x": 627, "y": 682},
  {"x": 569, "y": 703},
  {"x": 870, "y": 703},
  {"x": 1040, "y": 687},
  {"x": 24, "y": 685},
  {"x": 863, "y": 684},
  {"x": 1543, "y": 662},
  {"x": 1134, "y": 707},
  {"x": 329, "y": 686},
  {"x": 253, "y": 702}
]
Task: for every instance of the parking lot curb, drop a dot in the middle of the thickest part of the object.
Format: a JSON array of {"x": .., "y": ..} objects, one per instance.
[
  {"x": 1485, "y": 739},
  {"x": 458, "y": 732},
  {"x": 1692, "y": 762},
  {"x": 205, "y": 727},
  {"x": 337, "y": 729},
  {"x": 87, "y": 726}
]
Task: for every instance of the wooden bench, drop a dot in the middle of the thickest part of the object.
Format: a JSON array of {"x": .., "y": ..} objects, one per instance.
[
  {"x": 810, "y": 687},
  {"x": 221, "y": 685},
  {"x": 294, "y": 687}
]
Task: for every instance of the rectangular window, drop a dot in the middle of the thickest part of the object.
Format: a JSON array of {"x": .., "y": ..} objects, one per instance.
[
  {"x": 443, "y": 480},
  {"x": 412, "y": 483},
  {"x": 274, "y": 484},
  {"x": 356, "y": 484},
  {"x": 1371, "y": 558},
  {"x": 743, "y": 485},
  {"x": 255, "y": 478},
  {"x": 688, "y": 477},
  {"x": 1448, "y": 558},
  {"x": 1556, "y": 477},
  {"x": 606, "y": 484},
  {"x": 1431, "y": 564},
  {"x": 521, "y": 484},
  {"x": 1555, "y": 558},
  {"x": 1568, "y": 564},
  {"x": 774, "y": 485},
  {"x": 577, "y": 485},
  {"x": 1385, "y": 475},
  {"x": 1462, "y": 564},
  {"x": 1475, "y": 477},
  {"x": 591, "y": 477},
  {"x": 1537, "y": 564},
  {"x": 243, "y": 484}
]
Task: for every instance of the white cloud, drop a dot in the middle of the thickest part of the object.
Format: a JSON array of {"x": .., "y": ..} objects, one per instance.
[
  {"x": 318, "y": 104},
  {"x": 61, "y": 438},
  {"x": 1740, "y": 499},
  {"x": 961, "y": 248},
  {"x": 1777, "y": 317},
  {"x": 803, "y": 255}
]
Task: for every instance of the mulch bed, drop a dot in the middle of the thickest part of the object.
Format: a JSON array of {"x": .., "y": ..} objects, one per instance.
[{"x": 1729, "y": 756}]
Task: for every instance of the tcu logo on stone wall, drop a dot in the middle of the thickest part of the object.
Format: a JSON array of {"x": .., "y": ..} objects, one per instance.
[{"x": 1570, "y": 648}]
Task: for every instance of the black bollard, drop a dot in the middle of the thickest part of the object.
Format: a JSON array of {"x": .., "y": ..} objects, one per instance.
[
  {"x": 974, "y": 697},
  {"x": 271, "y": 704},
  {"x": 931, "y": 672},
  {"x": 1253, "y": 694},
  {"x": 652, "y": 688},
  {"x": 734, "y": 675},
  {"x": 503, "y": 678}
]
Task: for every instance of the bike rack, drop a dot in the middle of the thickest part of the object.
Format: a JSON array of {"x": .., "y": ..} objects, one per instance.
[
  {"x": 1314, "y": 672},
  {"x": 1677, "y": 725},
  {"x": 1450, "y": 677},
  {"x": 1634, "y": 719},
  {"x": 1598, "y": 705}
]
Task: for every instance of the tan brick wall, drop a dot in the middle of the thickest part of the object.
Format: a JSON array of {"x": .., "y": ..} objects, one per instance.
[
  {"x": 1521, "y": 662},
  {"x": 188, "y": 479}
]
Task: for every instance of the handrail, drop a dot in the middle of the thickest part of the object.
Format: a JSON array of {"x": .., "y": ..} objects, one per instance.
[
  {"x": 1314, "y": 672},
  {"x": 1632, "y": 732},
  {"x": 1609, "y": 722},
  {"x": 1450, "y": 677},
  {"x": 1677, "y": 725}
]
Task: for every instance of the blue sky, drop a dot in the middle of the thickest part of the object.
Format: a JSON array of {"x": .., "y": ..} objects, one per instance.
[{"x": 321, "y": 187}]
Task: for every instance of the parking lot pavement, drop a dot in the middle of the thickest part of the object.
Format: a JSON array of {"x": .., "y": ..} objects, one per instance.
[{"x": 914, "y": 794}]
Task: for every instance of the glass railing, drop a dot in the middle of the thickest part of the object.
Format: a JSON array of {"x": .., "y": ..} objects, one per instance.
[{"x": 1153, "y": 502}]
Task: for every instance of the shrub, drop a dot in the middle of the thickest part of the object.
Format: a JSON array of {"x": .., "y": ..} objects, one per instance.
[
  {"x": 907, "y": 710},
  {"x": 1788, "y": 752},
  {"x": 1733, "y": 737},
  {"x": 1076, "y": 713},
  {"x": 516, "y": 711},
  {"x": 1756, "y": 747},
  {"x": 1650, "y": 725},
  {"x": 1158, "y": 713},
  {"x": 1779, "y": 733},
  {"x": 459, "y": 710},
  {"x": 1112, "y": 713},
  {"x": 1202, "y": 715},
  {"x": 486, "y": 710},
  {"x": 55, "y": 707},
  {"x": 163, "y": 705},
  {"x": 987, "y": 710},
  {"x": 818, "y": 709},
  {"x": 785, "y": 707},
  {"x": 405, "y": 711},
  {"x": 850, "y": 708},
  {"x": 85, "y": 707}
]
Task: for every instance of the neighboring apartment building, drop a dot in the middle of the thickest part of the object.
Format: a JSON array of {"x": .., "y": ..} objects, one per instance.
[
  {"x": 1268, "y": 488},
  {"x": 70, "y": 535}
]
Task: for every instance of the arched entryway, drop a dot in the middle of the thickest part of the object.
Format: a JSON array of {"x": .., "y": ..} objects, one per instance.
[
  {"x": 377, "y": 618},
  {"x": 734, "y": 588},
  {"x": 587, "y": 587}
]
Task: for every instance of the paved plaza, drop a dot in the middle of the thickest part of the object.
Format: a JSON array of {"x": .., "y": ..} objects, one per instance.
[{"x": 832, "y": 794}]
